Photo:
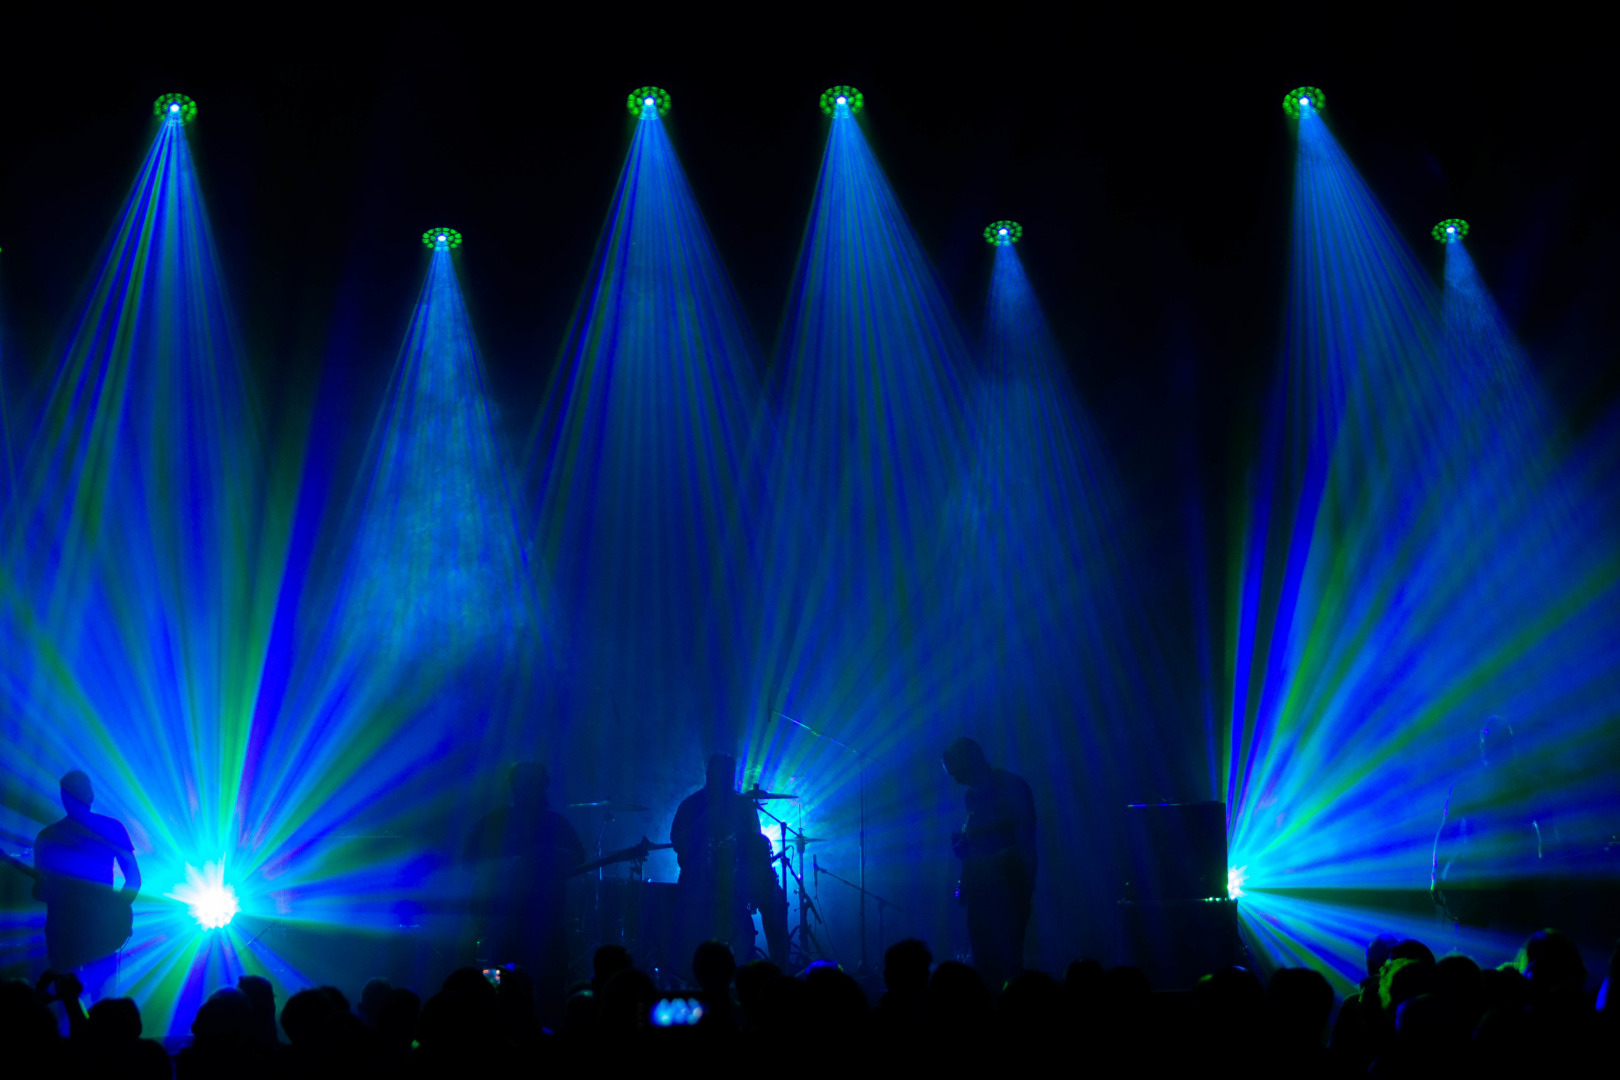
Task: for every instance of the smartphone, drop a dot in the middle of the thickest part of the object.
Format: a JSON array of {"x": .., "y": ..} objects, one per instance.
[{"x": 676, "y": 1012}]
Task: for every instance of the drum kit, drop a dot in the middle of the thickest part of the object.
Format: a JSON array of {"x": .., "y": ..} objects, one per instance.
[{"x": 644, "y": 916}]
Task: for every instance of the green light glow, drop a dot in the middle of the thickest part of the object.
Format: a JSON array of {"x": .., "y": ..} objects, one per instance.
[
  {"x": 433, "y": 239},
  {"x": 1003, "y": 233},
  {"x": 638, "y": 100},
  {"x": 175, "y": 105},
  {"x": 1450, "y": 230},
  {"x": 848, "y": 96},
  {"x": 1308, "y": 97}
]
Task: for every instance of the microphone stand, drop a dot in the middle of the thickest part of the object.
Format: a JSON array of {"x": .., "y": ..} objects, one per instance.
[
  {"x": 861, "y": 767},
  {"x": 881, "y": 901}
]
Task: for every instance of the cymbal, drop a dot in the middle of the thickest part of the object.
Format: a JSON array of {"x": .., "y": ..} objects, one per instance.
[
  {"x": 757, "y": 793},
  {"x": 610, "y": 805}
]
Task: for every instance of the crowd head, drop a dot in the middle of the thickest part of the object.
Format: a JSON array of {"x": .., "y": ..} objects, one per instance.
[{"x": 1412, "y": 1013}]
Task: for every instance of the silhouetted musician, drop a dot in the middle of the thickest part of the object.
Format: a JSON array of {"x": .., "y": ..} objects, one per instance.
[
  {"x": 726, "y": 867},
  {"x": 998, "y": 853},
  {"x": 1491, "y": 840},
  {"x": 86, "y": 920}
]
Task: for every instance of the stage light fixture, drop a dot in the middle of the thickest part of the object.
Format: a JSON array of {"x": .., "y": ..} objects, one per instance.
[
  {"x": 836, "y": 97},
  {"x": 1235, "y": 877},
  {"x": 1302, "y": 98},
  {"x": 175, "y": 107},
  {"x": 210, "y": 900},
  {"x": 647, "y": 97},
  {"x": 1003, "y": 233},
  {"x": 434, "y": 239},
  {"x": 1450, "y": 231}
]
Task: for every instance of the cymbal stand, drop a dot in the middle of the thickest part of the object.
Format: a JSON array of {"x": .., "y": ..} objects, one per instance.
[
  {"x": 596, "y": 900},
  {"x": 810, "y": 948},
  {"x": 807, "y": 906},
  {"x": 860, "y": 759}
]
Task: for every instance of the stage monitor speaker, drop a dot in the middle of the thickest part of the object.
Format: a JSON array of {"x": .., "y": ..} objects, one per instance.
[{"x": 1176, "y": 851}]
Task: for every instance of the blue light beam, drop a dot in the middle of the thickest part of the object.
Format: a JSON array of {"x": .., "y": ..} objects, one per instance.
[
  {"x": 1419, "y": 550},
  {"x": 648, "y": 485}
]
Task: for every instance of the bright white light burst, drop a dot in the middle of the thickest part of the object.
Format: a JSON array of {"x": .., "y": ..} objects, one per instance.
[
  {"x": 211, "y": 902},
  {"x": 1235, "y": 877}
]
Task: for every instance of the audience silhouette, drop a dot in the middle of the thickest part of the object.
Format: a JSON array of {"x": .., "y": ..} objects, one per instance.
[{"x": 1412, "y": 1015}]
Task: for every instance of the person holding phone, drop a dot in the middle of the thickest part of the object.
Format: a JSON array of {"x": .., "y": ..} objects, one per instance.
[{"x": 520, "y": 855}]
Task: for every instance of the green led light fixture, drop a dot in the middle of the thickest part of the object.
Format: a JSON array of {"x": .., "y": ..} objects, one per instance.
[
  {"x": 647, "y": 97},
  {"x": 1003, "y": 233},
  {"x": 434, "y": 239},
  {"x": 847, "y": 96},
  {"x": 175, "y": 107},
  {"x": 1450, "y": 230},
  {"x": 1306, "y": 97}
]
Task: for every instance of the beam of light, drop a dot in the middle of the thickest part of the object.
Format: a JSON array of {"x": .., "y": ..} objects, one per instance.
[
  {"x": 858, "y": 622},
  {"x": 1053, "y": 626},
  {"x": 410, "y": 658},
  {"x": 1419, "y": 549},
  {"x": 1329, "y": 930},
  {"x": 641, "y": 457},
  {"x": 8, "y": 457},
  {"x": 436, "y": 572},
  {"x": 145, "y": 551}
]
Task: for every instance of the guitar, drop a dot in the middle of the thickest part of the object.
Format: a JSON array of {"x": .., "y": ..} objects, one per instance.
[{"x": 98, "y": 906}]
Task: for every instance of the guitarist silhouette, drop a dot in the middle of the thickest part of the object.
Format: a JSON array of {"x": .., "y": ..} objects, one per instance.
[{"x": 86, "y": 922}]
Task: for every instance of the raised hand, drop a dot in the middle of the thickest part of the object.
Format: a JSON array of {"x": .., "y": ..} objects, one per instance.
[{"x": 68, "y": 986}]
